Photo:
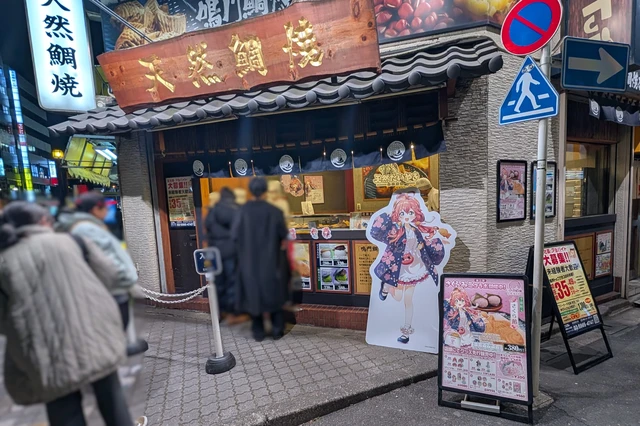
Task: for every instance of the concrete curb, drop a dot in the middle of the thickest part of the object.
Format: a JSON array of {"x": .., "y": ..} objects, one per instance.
[{"x": 320, "y": 403}]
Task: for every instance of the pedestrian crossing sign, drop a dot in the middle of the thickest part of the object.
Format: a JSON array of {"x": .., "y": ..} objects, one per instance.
[{"x": 531, "y": 96}]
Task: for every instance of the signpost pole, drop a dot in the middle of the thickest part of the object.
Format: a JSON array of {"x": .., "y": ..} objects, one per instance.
[{"x": 541, "y": 176}]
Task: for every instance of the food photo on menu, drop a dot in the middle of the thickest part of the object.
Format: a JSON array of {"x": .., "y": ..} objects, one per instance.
[
  {"x": 484, "y": 344},
  {"x": 333, "y": 267}
]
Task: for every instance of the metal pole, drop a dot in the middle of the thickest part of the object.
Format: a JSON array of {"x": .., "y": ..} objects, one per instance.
[
  {"x": 135, "y": 346},
  {"x": 541, "y": 176},
  {"x": 213, "y": 306},
  {"x": 120, "y": 19},
  {"x": 220, "y": 362}
]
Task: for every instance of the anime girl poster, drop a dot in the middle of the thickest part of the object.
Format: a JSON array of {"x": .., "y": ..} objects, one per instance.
[{"x": 414, "y": 247}]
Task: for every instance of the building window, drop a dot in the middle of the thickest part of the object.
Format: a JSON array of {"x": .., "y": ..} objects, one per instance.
[{"x": 587, "y": 180}]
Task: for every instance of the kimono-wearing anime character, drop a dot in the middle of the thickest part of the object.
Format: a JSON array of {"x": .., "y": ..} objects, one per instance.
[
  {"x": 411, "y": 255},
  {"x": 462, "y": 319}
]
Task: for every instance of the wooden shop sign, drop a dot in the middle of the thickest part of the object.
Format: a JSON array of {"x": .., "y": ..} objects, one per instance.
[{"x": 304, "y": 41}]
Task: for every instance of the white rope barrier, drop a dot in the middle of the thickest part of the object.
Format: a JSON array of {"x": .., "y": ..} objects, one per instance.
[{"x": 153, "y": 295}]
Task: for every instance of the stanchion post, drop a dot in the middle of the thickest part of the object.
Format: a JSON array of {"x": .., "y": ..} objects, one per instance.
[
  {"x": 135, "y": 345},
  {"x": 208, "y": 264}
]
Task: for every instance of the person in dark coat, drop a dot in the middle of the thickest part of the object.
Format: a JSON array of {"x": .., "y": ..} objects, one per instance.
[
  {"x": 259, "y": 233},
  {"x": 218, "y": 223}
]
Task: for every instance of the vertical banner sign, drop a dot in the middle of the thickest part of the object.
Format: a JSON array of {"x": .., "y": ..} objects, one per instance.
[
  {"x": 414, "y": 247},
  {"x": 182, "y": 213},
  {"x": 61, "y": 54},
  {"x": 484, "y": 338},
  {"x": 571, "y": 293}
]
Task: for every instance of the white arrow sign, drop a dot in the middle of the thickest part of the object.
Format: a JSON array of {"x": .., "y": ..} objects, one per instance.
[{"x": 606, "y": 65}]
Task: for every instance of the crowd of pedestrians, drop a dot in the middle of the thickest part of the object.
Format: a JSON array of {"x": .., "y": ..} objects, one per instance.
[{"x": 63, "y": 310}]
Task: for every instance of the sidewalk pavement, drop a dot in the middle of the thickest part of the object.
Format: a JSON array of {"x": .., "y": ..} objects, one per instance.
[{"x": 309, "y": 373}]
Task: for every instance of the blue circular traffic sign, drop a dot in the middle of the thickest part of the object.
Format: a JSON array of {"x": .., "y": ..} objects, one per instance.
[{"x": 529, "y": 25}]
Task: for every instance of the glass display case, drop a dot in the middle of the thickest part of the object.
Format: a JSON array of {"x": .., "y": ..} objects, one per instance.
[{"x": 333, "y": 221}]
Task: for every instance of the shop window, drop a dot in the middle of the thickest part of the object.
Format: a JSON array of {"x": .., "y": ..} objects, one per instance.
[{"x": 587, "y": 180}]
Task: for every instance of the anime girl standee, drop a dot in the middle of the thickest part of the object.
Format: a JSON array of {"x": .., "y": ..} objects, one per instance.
[
  {"x": 413, "y": 250},
  {"x": 461, "y": 319}
]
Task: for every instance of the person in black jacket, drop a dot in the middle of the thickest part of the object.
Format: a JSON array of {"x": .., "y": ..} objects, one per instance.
[
  {"x": 218, "y": 224},
  {"x": 259, "y": 233}
]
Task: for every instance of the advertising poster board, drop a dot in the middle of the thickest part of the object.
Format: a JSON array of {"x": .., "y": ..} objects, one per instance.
[
  {"x": 550, "y": 190},
  {"x": 571, "y": 293},
  {"x": 414, "y": 247},
  {"x": 314, "y": 189},
  {"x": 512, "y": 190},
  {"x": 573, "y": 303},
  {"x": 364, "y": 254},
  {"x": 332, "y": 261},
  {"x": 301, "y": 254},
  {"x": 182, "y": 211},
  {"x": 485, "y": 337},
  {"x": 164, "y": 19},
  {"x": 604, "y": 253}
]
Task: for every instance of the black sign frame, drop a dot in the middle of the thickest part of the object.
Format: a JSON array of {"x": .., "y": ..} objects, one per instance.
[
  {"x": 527, "y": 309},
  {"x": 577, "y": 369}
]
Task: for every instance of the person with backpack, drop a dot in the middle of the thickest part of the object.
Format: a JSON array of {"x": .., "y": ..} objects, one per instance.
[
  {"x": 87, "y": 222},
  {"x": 63, "y": 328}
]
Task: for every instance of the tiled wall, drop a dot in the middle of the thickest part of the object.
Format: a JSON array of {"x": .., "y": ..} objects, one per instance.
[
  {"x": 137, "y": 208},
  {"x": 475, "y": 143}
]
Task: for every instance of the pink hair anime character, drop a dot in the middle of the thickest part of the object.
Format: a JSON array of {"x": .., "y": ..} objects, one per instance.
[
  {"x": 413, "y": 249},
  {"x": 461, "y": 318}
]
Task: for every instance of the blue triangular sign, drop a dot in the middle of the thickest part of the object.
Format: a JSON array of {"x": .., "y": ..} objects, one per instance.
[{"x": 531, "y": 96}]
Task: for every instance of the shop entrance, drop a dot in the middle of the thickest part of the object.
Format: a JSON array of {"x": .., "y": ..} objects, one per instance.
[{"x": 634, "y": 258}]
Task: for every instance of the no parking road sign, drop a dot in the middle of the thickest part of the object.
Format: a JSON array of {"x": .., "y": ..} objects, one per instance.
[{"x": 530, "y": 25}]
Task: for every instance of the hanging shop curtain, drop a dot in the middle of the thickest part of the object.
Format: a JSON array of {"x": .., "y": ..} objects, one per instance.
[{"x": 370, "y": 150}]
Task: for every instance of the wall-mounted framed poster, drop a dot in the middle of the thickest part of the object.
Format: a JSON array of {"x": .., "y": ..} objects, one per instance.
[
  {"x": 550, "y": 188},
  {"x": 511, "y": 197},
  {"x": 604, "y": 253}
]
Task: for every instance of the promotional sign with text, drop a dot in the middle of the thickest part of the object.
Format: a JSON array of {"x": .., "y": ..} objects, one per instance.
[
  {"x": 162, "y": 19},
  {"x": 484, "y": 339},
  {"x": 61, "y": 54},
  {"x": 306, "y": 40},
  {"x": 571, "y": 292}
]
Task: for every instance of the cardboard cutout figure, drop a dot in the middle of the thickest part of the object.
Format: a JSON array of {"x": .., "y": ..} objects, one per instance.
[{"x": 414, "y": 247}]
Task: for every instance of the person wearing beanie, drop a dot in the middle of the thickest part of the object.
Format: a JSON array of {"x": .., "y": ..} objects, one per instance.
[{"x": 433, "y": 195}]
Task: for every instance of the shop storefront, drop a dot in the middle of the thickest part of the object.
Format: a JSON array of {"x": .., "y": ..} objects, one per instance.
[
  {"x": 594, "y": 159},
  {"x": 338, "y": 146}
]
